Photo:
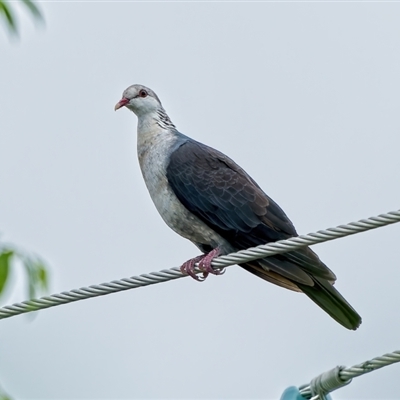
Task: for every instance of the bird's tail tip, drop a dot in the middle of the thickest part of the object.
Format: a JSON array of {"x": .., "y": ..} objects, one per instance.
[{"x": 333, "y": 303}]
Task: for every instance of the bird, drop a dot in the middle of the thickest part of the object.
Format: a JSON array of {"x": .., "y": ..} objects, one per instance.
[{"x": 206, "y": 197}]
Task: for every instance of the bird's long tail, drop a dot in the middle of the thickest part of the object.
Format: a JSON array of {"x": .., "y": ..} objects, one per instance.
[
  {"x": 332, "y": 302},
  {"x": 322, "y": 293}
]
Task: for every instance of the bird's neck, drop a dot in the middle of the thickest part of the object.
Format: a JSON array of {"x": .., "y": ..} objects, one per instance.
[
  {"x": 163, "y": 120},
  {"x": 151, "y": 121},
  {"x": 152, "y": 128}
]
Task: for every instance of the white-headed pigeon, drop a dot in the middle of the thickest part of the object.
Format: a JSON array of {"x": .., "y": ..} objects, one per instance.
[{"x": 207, "y": 198}]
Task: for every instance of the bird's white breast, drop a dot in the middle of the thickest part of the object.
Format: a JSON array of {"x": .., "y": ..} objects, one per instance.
[{"x": 154, "y": 149}]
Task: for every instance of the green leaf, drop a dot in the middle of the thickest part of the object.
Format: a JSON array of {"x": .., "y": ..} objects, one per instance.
[
  {"x": 4, "y": 395},
  {"x": 6, "y": 11},
  {"x": 30, "y": 269},
  {"x": 35, "y": 268},
  {"x": 4, "y": 267},
  {"x": 11, "y": 22},
  {"x": 37, "y": 274},
  {"x": 42, "y": 275},
  {"x": 33, "y": 9}
]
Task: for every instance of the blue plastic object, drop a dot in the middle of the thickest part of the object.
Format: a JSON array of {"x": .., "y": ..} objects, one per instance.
[{"x": 293, "y": 393}]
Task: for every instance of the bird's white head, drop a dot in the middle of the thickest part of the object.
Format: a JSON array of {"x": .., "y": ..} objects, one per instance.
[{"x": 139, "y": 99}]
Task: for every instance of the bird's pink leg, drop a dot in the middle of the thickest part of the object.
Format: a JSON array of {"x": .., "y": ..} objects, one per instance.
[{"x": 204, "y": 265}]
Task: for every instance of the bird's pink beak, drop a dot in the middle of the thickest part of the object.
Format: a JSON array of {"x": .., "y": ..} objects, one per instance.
[{"x": 121, "y": 103}]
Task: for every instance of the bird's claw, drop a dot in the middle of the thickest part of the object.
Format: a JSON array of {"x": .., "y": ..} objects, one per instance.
[
  {"x": 188, "y": 268},
  {"x": 204, "y": 262}
]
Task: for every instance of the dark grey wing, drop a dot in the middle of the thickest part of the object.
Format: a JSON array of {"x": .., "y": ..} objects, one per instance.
[
  {"x": 226, "y": 198},
  {"x": 220, "y": 193}
]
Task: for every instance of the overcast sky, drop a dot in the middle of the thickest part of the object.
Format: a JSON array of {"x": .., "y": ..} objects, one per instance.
[{"x": 304, "y": 96}]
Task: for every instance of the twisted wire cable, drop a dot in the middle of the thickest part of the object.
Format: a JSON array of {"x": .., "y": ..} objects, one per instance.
[
  {"x": 341, "y": 376},
  {"x": 242, "y": 256}
]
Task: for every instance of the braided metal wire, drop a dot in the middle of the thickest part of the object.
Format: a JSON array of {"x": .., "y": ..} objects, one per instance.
[
  {"x": 370, "y": 365},
  {"x": 152, "y": 278},
  {"x": 325, "y": 235},
  {"x": 346, "y": 374}
]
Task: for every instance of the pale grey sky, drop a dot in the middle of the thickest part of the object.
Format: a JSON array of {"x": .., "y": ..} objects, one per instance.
[{"x": 304, "y": 96}]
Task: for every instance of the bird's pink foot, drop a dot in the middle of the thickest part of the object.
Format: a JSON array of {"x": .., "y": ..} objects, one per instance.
[
  {"x": 188, "y": 268},
  {"x": 204, "y": 261}
]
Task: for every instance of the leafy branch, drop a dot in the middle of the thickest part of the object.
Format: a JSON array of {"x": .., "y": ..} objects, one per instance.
[
  {"x": 35, "y": 269},
  {"x": 4, "y": 395},
  {"x": 34, "y": 266},
  {"x": 9, "y": 14}
]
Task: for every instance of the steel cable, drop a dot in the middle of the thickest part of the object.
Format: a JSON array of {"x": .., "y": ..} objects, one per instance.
[{"x": 242, "y": 256}]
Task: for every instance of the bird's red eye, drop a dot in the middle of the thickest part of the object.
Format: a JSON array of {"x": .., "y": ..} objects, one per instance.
[{"x": 143, "y": 93}]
